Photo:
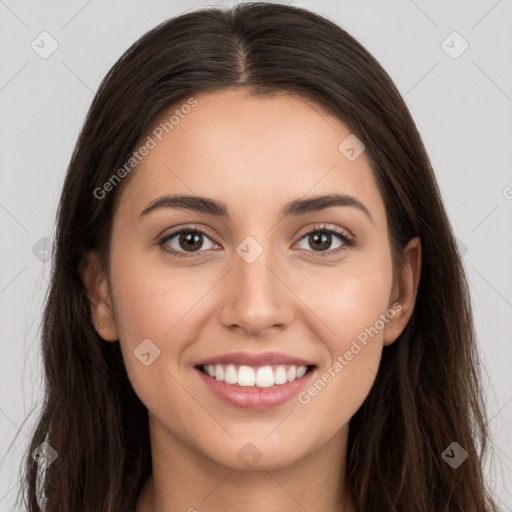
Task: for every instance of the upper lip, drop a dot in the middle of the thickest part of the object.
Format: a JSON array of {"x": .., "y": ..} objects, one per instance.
[{"x": 255, "y": 360}]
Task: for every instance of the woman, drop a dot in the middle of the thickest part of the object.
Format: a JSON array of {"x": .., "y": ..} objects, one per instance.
[{"x": 256, "y": 299}]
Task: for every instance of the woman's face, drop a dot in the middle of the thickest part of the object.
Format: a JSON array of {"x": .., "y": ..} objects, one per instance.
[{"x": 265, "y": 277}]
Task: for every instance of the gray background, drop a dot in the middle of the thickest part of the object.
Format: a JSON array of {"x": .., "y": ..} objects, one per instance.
[{"x": 462, "y": 107}]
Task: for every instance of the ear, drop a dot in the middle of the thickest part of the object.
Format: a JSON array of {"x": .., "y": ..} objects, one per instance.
[
  {"x": 97, "y": 288},
  {"x": 405, "y": 289}
]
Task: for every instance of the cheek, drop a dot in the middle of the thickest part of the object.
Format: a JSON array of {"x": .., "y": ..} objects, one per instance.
[
  {"x": 151, "y": 307},
  {"x": 353, "y": 303},
  {"x": 349, "y": 299},
  {"x": 151, "y": 299},
  {"x": 161, "y": 304}
]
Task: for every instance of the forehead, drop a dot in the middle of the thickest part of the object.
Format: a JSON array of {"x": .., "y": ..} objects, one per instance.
[{"x": 247, "y": 149}]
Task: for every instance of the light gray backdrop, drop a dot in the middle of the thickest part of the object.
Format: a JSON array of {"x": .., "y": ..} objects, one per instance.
[{"x": 460, "y": 98}]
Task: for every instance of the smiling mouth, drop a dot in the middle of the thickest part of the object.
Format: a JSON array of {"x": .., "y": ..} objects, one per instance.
[{"x": 256, "y": 377}]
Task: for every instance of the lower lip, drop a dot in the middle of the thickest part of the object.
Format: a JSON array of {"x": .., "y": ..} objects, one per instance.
[{"x": 253, "y": 397}]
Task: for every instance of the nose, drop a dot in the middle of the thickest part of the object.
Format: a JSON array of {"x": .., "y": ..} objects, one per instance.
[{"x": 256, "y": 297}]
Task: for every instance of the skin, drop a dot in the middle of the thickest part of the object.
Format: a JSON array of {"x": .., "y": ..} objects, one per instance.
[{"x": 255, "y": 154}]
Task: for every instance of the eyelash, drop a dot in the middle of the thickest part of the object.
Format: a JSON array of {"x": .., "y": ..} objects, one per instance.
[{"x": 348, "y": 241}]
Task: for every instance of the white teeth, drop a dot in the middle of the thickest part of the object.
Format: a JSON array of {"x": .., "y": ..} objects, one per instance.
[
  {"x": 219, "y": 372},
  {"x": 246, "y": 376},
  {"x": 280, "y": 376},
  {"x": 230, "y": 375},
  {"x": 291, "y": 374},
  {"x": 263, "y": 377}
]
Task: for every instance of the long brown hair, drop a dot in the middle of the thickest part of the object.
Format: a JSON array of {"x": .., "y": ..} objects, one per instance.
[{"x": 427, "y": 393}]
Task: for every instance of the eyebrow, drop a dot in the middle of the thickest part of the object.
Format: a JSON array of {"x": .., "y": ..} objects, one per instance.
[{"x": 219, "y": 209}]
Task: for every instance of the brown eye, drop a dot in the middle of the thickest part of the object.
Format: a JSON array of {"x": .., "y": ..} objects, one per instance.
[
  {"x": 321, "y": 240},
  {"x": 185, "y": 241},
  {"x": 190, "y": 241}
]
